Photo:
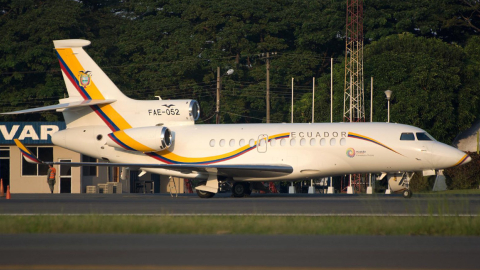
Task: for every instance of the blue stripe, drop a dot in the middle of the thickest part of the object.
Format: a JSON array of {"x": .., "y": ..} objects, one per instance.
[
  {"x": 105, "y": 117},
  {"x": 113, "y": 137}
]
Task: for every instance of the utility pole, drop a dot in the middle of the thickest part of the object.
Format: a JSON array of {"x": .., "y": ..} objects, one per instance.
[
  {"x": 268, "y": 87},
  {"x": 217, "y": 111},
  {"x": 267, "y": 61},
  {"x": 292, "y": 101}
]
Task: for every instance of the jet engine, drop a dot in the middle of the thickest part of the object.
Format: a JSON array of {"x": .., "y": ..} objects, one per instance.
[{"x": 142, "y": 139}]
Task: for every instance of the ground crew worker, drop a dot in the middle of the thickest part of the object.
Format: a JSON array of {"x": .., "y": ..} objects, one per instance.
[{"x": 51, "y": 177}]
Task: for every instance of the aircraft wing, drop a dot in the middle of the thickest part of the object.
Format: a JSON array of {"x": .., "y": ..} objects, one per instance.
[
  {"x": 74, "y": 104},
  {"x": 234, "y": 170}
]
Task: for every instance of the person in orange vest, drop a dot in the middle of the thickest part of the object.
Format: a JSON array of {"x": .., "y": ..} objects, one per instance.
[{"x": 51, "y": 177}]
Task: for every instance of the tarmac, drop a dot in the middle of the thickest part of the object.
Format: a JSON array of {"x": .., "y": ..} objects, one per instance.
[{"x": 139, "y": 251}]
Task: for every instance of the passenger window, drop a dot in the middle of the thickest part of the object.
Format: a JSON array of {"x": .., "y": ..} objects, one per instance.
[
  {"x": 232, "y": 143},
  {"x": 423, "y": 136},
  {"x": 303, "y": 142},
  {"x": 252, "y": 142},
  {"x": 407, "y": 137},
  {"x": 293, "y": 142},
  {"x": 333, "y": 141},
  {"x": 222, "y": 143},
  {"x": 312, "y": 141},
  {"x": 343, "y": 141},
  {"x": 242, "y": 142},
  {"x": 212, "y": 142},
  {"x": 283, "y": 142},
  {"x": 322, "y": 142},
  {"x": 273, "y": 142}
]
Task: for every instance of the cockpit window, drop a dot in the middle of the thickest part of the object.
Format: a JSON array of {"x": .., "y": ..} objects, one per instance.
[
  {"x": 407, "y": 136},
  {"x": 423, "y": 136}
]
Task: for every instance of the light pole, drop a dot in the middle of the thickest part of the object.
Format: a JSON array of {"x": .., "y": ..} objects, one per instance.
[
  {"x": 219, "y": 86},
  {"x": 388, "y": 93}
]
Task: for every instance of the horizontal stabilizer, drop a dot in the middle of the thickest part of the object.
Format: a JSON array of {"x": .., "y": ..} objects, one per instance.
[
  {"x": 27, "y": 155},
  {"x": 74, "y": 104}
]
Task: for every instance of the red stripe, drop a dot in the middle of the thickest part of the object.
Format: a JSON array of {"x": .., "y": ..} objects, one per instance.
[{"x": 72, "y": 80}]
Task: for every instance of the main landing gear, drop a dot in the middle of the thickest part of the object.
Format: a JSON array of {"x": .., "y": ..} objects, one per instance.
[{"x": 241, "y": 189}]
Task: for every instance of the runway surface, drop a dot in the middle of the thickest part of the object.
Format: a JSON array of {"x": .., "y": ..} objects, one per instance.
[
  {"x": 101, "y": 251},
  {"x": 44, "y": 251},
  {"x": 272, "y": 204}
]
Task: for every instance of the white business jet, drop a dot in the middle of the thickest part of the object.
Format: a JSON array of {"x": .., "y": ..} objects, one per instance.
[{"x": 160, "y": 136}]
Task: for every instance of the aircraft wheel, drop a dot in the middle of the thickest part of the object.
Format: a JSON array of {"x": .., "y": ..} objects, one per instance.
[
  {"x": 407, "y": 193},
  {"x": 239, "y": 189},
  {"x": 204, "y": 194}
]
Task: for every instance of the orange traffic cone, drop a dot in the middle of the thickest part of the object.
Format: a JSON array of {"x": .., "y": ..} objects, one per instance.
[
  {"x": 2, "y": 193},
  {"x": 8, "y": 193}
]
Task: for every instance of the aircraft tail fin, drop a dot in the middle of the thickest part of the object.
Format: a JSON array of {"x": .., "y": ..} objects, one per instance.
[{"x": 84, "y": 79}]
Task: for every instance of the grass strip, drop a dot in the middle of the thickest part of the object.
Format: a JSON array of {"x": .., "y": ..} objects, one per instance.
[{"x": 266, "y": 225}]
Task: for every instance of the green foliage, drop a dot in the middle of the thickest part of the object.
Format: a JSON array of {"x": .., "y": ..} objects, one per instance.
[
  {"x": 421, "y": 183},
  {"x": 173, "y": 49},
  {"x": 425, "y": 76},
  {"x": 261, "y": 225},
  {"x": 466, "y": 176}
]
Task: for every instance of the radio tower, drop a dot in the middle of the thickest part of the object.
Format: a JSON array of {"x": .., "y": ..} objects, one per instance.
[{"x": 353, "y": 98}]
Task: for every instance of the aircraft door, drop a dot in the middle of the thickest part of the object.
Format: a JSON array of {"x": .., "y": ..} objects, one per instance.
[{"x": 262, "y": 143}]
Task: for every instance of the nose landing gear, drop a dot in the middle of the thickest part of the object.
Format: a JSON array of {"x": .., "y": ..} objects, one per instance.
[{"x": 407, "y": 193}]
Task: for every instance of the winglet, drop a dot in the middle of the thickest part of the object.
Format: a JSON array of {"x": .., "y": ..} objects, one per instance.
[{"x": 29, "y": 157}]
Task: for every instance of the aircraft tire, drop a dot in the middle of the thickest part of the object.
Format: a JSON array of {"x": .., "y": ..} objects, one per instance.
[
  {"x": 407, "y": 193},
  {"x": 239, "y": 189},
  {"x": 204, "y": 194}
]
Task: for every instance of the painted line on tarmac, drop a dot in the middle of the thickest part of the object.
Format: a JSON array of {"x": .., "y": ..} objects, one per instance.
[{"x": 247, "y": 214}]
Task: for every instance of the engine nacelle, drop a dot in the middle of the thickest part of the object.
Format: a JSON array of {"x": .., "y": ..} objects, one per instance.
[{"x": 142, "y": 139}]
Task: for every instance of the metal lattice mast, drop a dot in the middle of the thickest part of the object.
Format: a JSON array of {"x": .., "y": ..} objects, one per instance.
[{"x": 353, "y": 98}]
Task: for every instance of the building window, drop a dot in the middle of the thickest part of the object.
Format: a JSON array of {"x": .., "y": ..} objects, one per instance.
[
  {"x": 44, "y": 154},
  {"x": 89, "y": 170}
]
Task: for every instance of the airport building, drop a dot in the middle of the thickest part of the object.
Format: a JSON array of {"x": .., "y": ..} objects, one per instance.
[{"x": 25, "y": 177}]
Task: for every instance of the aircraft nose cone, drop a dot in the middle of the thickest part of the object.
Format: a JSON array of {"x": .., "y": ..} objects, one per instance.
[{"x": 465, "y": 159}]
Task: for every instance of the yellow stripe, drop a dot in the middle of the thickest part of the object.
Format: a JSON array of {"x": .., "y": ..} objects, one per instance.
[
  {"x": 169, "y": 155},
  {"x": 116, "y": 118},
  {"x": 123, "y": 137},
  {"x": 75, "y": 67},
  {"x": 460, "y": 161},
  {"x": 174, "y": 157},
  {"x": 279, "y": 135},
  {"x": 21, "y": 146}
]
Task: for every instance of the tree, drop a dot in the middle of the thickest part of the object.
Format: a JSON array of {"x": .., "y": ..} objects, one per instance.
[{"x": 425, "y": 76}]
